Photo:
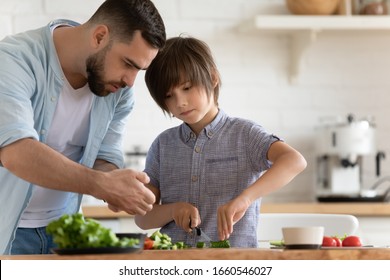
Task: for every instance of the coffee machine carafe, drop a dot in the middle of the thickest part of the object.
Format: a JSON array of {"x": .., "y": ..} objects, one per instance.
[{"x": 341, "y": 148}]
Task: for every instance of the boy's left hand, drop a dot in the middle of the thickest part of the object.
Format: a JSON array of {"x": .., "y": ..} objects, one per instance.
[{"x": 229, "y": 214}]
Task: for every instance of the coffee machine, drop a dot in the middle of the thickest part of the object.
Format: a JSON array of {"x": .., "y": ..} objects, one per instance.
[{"x": 341, "y": 147}]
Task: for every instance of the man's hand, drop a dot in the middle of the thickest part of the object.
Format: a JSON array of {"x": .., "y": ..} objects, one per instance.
[
  {"x": 39, "y": 164},
  {"x": 126, "y": 191}
]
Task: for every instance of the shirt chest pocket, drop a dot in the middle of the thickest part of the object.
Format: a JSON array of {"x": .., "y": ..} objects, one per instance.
[{"x": 221, "y": 176}]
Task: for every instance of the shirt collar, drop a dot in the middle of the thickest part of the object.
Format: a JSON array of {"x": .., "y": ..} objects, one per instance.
[
  {"x": 209, "y": 131},
  {"x": 58, "y": 22}
]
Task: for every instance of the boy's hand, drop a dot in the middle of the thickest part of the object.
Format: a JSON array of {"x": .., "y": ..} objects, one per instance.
[
  {"x": 229, "y": 214},
  {"x": 185, "y": 216}
]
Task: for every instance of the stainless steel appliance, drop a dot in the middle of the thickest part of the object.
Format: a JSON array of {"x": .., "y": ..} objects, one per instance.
[
  {"x": 135, "y": 159},
  {"x": 341, "y": 147}
]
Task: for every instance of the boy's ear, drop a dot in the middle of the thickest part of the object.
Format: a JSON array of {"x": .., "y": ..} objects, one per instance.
[{"x": 215, "y": 79}]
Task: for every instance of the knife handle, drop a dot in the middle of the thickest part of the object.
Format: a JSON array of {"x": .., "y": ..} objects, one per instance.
[
  {"x": 197, "y": 229},
  {"x": 198, "y": 232}
]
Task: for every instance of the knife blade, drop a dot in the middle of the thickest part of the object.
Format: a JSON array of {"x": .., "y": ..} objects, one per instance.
[{"x": 202, "y": 234}]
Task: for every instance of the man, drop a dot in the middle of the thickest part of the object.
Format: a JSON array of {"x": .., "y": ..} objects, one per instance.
[{"x": 65, "y": 93}]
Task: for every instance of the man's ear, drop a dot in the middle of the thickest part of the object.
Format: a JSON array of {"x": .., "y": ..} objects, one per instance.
[{"x": 100, "y": 36}]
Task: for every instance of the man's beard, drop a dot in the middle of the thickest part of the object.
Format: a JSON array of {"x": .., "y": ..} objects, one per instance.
[{"x": 95, "y": 72}]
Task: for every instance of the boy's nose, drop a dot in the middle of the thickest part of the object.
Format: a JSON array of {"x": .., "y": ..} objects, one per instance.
[{"x": 181, "y": 102}]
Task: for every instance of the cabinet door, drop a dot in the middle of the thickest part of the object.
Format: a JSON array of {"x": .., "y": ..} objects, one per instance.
[{"x": 374, "y": 230}]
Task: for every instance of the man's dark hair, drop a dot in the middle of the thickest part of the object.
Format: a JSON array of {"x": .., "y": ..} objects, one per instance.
[{"x": 124, "y": 17}]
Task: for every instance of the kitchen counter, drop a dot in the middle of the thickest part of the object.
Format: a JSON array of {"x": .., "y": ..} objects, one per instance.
[
  {"x": 225, "y": 254},
  {"x": 374, "y": 218},
  {"x": 353, "y": 208}
]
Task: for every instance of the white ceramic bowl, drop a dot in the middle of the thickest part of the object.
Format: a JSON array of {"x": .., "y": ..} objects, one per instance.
[{"x": 303, "y": 237}]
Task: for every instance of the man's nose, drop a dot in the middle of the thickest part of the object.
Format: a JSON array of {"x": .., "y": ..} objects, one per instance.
[{"x": 129, "y": 77}]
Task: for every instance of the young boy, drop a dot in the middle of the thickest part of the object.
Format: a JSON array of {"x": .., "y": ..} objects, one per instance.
[{"x": 209, "y": 171}]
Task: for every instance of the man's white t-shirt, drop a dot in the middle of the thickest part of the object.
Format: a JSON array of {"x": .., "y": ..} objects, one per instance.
[{"x": 68, "y": 134}]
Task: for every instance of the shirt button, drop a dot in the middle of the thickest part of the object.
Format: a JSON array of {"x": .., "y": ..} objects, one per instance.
[
  {"x": 53, "y": 99},
  {"x": 43, "y": 131},
  {"x": 192, "y": 135},
  {"x": 197, "y": 149},
  {"x": 194, "y": 178},
  {"x": 209, "y": 134}
]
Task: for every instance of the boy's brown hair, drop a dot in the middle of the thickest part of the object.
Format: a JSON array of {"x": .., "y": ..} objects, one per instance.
[{"x": 183, "y": 59}]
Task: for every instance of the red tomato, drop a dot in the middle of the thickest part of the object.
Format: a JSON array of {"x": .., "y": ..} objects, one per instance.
[
  {"x": 148, "y": 243},
  {"x": 352, "y": 241},
  {"x": 328, "y": 241},
  {"x": 338, "y": 241}
]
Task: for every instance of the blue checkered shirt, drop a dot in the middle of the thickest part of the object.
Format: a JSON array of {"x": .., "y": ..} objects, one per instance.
[{"x": 210, "y": 170}]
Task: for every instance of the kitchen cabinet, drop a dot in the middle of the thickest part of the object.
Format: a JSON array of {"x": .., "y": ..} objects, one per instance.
[
  {"x": 304, "y": 30},
  {"x": 375, "y": 230}
]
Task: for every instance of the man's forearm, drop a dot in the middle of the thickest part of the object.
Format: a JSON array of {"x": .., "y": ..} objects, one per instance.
[
  {"x": 39, "y": 164},
  {"x": 103, "y": 165}
]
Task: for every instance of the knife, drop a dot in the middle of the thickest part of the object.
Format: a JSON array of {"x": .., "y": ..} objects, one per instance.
[{"x": 202, "y": 234}]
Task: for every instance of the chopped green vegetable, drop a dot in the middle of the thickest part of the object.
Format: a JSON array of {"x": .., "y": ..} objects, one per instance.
[
  {"x": 128, "y": 242},
  {"x": 201, "y": 245},
  {"x": 163, "y": 241},
  {"x": 277, "y": 243},
  {"x": 75, "y": 231},
  {"x": 180, "y": 245},
  {"x": 220, "y": 244}
]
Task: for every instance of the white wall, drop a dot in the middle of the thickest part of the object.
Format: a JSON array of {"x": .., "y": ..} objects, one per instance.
[{"x": 343, "y": 73}]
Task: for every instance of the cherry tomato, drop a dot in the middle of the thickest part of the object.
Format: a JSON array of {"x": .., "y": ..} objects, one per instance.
[
  {"x": 338, "y": 241},
  {"x": 352, "y": 241},
  {"x": 328, "y": 241},
  {"x": 148, "y": 243}
]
